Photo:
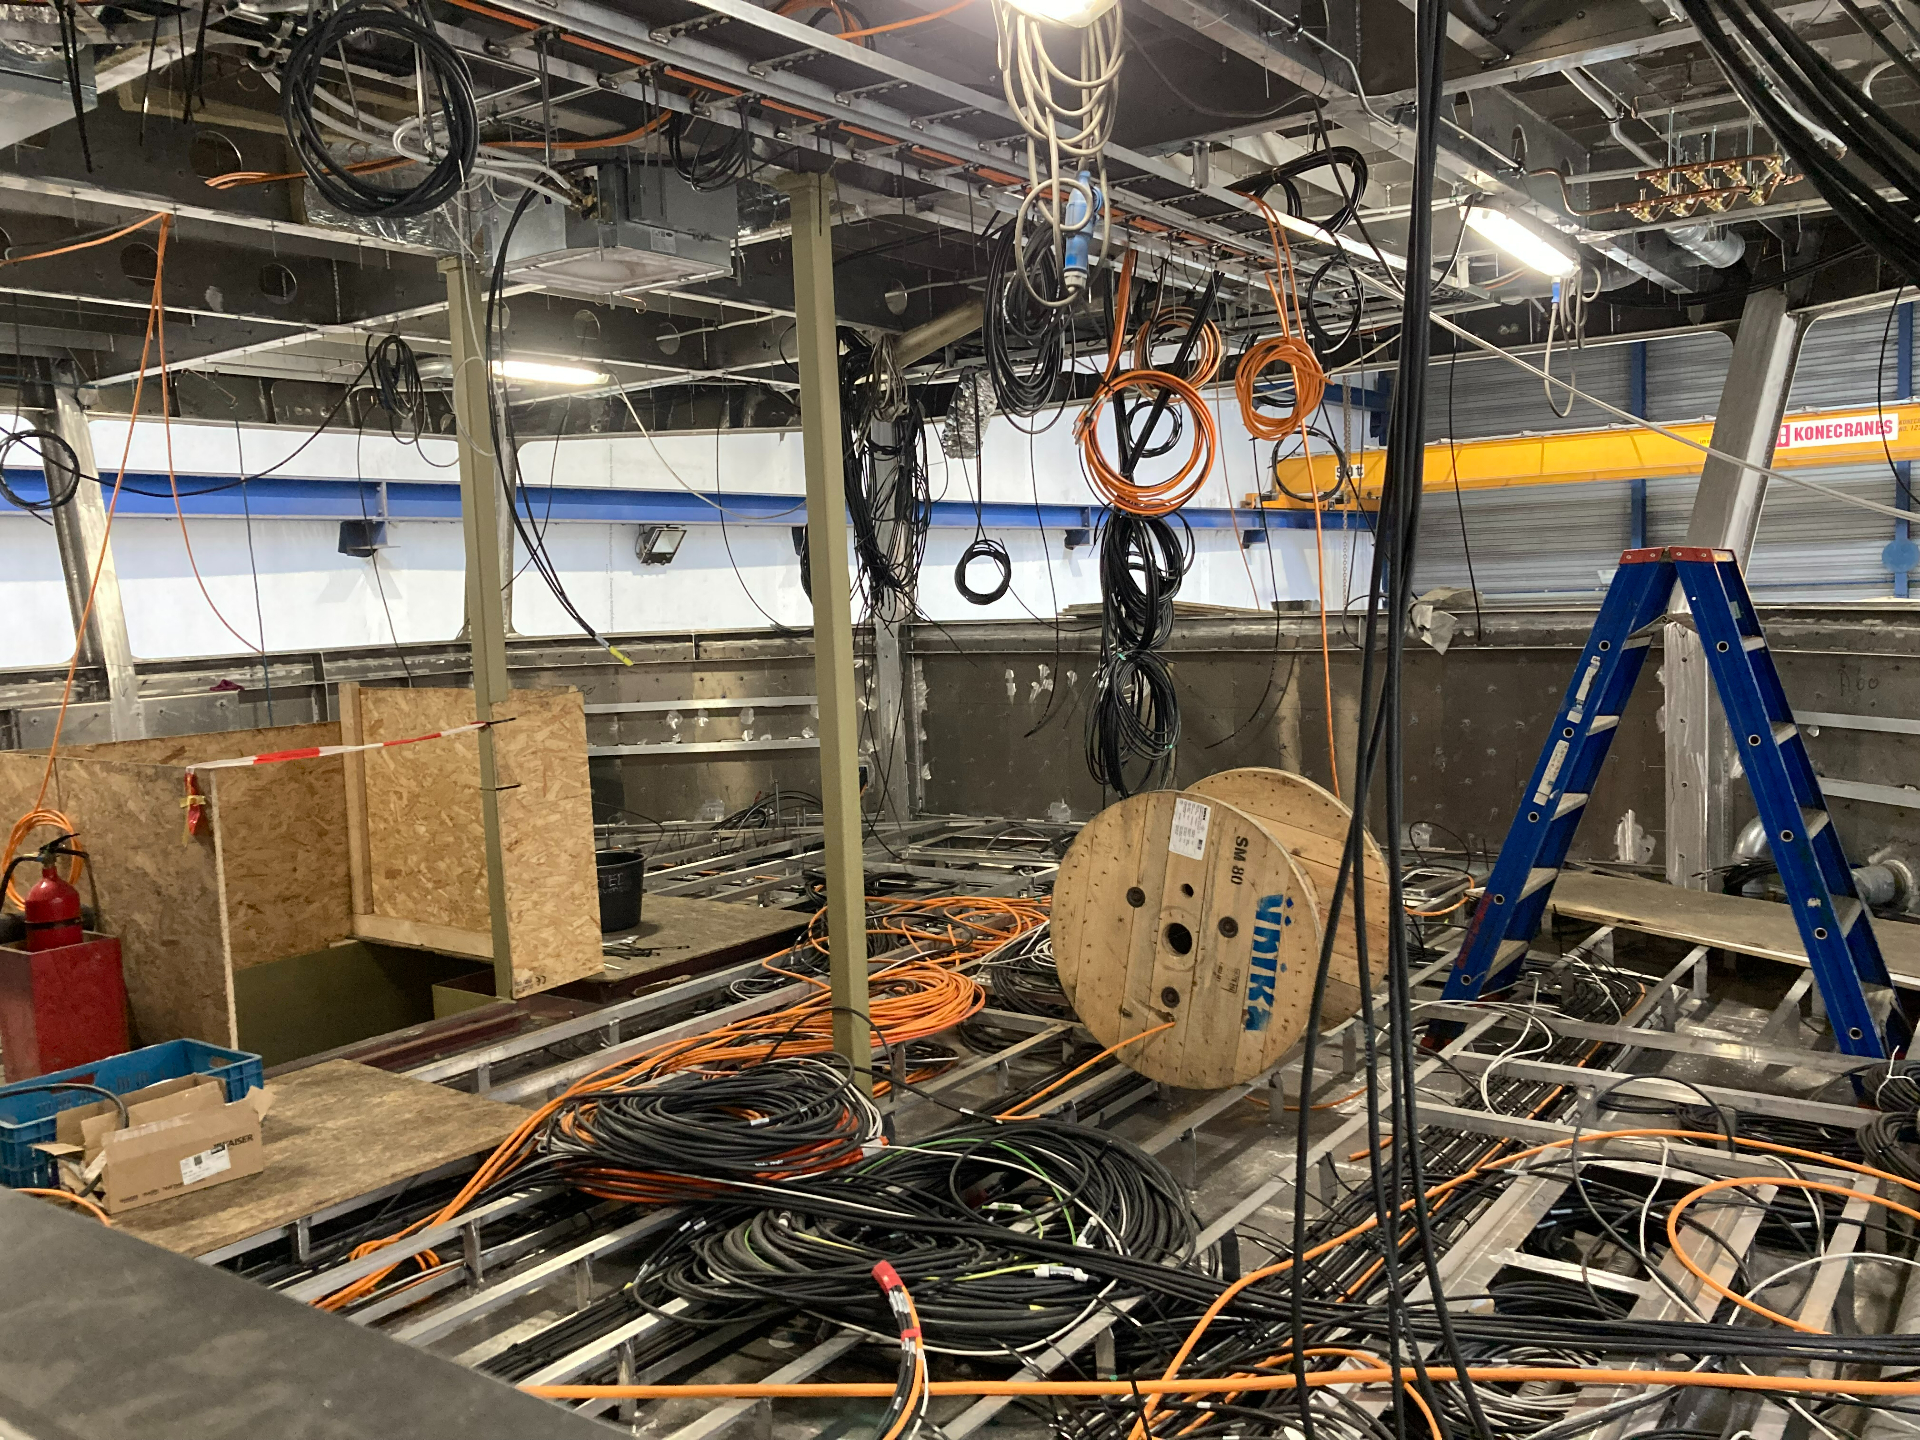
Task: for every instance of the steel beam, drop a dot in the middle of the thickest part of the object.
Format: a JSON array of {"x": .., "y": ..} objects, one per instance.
[
  {"x": 486, "y": 577},
  {"x": 817, "y": 344},
  {"x": 86, "y": 560},
  {"x": 1725, "y": 516}
]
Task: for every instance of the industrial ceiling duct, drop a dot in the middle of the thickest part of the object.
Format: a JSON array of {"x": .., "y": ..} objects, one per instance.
[{"x": 645, "y": 229}]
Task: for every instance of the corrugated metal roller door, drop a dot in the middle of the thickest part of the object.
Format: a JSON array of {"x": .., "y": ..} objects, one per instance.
[
  {"x": 1837, "y": 362},
  {"x": 1685, "y": 376},
  {"x": 1490, "y": 397},
  {"x": 1811, "y": 546},
  {"x": 1529, "y": 540}
]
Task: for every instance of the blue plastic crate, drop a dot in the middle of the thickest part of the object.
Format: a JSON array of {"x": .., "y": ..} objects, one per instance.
[{"x": 27, "y": 1115}]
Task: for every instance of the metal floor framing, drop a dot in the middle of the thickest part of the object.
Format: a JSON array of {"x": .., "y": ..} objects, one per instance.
[{"x": 498, "y": 1281}]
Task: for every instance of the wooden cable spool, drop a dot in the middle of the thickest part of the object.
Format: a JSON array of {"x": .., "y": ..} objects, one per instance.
[
  {"x": 1312, "y": 824},
  {"x": 1178, "y": 909}
]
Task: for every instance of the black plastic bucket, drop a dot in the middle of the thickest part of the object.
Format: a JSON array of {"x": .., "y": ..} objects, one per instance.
[{"x": 623, "y": 875}]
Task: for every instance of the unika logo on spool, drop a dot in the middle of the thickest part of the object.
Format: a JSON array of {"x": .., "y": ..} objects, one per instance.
[{"x": 1270, "y": 917}]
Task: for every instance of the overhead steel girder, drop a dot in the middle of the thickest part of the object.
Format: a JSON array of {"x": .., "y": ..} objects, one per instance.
[
  {"x": 1003, "y": 155},
  {"x": 1601, "y": 31},
  {"x": 1483, "y": 161}
]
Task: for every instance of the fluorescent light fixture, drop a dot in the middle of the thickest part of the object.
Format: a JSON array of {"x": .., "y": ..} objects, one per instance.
[
  {"x": 536, "y": 373},
  {"x": 1528, "y": 246},
  {"x": 1077, "y": 13}
]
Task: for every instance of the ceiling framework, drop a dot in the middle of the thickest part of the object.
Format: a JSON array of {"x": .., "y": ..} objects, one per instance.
[{"x": 1607, "y": 125}]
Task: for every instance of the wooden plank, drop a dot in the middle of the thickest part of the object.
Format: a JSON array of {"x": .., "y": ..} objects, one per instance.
[
  {"x": 156, "y": 891},
  {"x": 1703, "y": 917},
  {"x": 208, "y": 745},
  {"x": 423, "y": 935},
  {"x": 354, "y": 776},
  {"x": 336, "y": 1131},
  {"x": 546, "y": 839},
  {"x": 679, "y": 935}
]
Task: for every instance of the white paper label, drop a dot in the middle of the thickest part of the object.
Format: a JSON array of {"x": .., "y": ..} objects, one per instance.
[
  {"x": 1189, "y": 837},
  {"x": 205, "y": 1165}
]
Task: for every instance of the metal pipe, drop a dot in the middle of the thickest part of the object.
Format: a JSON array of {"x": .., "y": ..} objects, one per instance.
[
  {"x": 1613, "y": 108},
  {"x": 938, "y": 333}
]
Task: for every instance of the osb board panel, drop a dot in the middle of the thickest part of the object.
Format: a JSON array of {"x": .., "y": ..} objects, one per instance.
[
  {"x": 1704, "y": 917},
  {"x": 214, "y": 745},
  {"x": 425, "y": 852},
  {"x": 281, "y": 834},
  {"x": 546, "y": 836},
  {"x": 425, "y": 844},
  {"x": 678, "y": 931},
  {"x": 335, "y": 1131},
  {"x": 159, "y": 894}
]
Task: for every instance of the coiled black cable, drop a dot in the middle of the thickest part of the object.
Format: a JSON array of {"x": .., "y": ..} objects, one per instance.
[
  {"x": 1142, "y": 562},
  {"x": 984, "y": 547},
  {"x": 365, "y": 29},
  {"x": 393, "y": 374},
  {"x": 1134, "y": 721},
  {"x": 57, "y": 460},
  {"x": 1013, "y": 322}
]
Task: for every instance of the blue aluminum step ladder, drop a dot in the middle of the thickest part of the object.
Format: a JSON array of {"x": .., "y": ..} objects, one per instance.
[{"x": 1834, "y": 924}]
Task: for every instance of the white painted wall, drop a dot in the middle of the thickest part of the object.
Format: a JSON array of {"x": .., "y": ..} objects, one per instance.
[{"x": 740, "y": 577}]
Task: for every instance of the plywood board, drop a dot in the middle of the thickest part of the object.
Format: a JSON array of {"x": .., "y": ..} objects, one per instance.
[
  {"x": 157, "y": 891},
  {"x": 1702, "y": 917},
  {"x": 546, "y": 839},
  {"x": 1175, "y": 910},
  {"x": 1312, "y": 824},
  {"x": 425, "y": 855},
  {"x": 280, "y": 832},
  {"x": 336, "y": 1131},
  {"x": 679, "y": 934}
]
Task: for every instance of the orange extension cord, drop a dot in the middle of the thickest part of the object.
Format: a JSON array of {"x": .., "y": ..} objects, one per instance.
[
  {"x": 40, "y": 815},
  {"x": 1290, "y": 348},
  {"x": 909, "y": 999},
  {"x": 1161, "y": 497}
]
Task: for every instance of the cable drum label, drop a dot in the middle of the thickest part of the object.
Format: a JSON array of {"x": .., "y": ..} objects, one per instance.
[{"x": 1270, "y": 918}]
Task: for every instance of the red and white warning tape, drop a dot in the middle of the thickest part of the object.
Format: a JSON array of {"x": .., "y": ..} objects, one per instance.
[
  {"x": 195, "y": 802},
  {"x": 316, "y": 752}
]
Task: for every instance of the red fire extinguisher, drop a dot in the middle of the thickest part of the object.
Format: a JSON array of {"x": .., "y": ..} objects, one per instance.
[{"x": 52, "y": 906}]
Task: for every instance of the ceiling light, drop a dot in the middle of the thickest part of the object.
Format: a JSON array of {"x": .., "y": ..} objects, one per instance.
[
  {"x": 1528, "y": 246},
  {"x": 1077, "y": 13},
  {"x": 536, "y": 373}
]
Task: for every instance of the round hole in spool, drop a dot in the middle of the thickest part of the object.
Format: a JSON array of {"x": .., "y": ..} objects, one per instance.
[
  {"x": 1136, "y": 897},
  {"x": 1187, "y": 890},
  {"x": 1229, "y": 926},
  {"x": 1169, "y": 997},
  {"x": 1179, "y": 939}
]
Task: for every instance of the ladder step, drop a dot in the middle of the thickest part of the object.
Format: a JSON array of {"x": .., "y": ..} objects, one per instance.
[
  {"x": 1783, "y": 731},
  {"x": 1568, "y": 804},
  {"x": 1846, "y": 913},
  {"x": 1602, "y": 722},
  {"x": 1509, "y": 950},
  {"x": 1812, "y": 821},
  {"x": 1538, "y": 876},
  {"x": 1753, "y": 642}
]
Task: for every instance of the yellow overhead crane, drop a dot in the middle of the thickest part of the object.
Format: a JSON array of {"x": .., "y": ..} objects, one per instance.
[{"x": 1858, "y": 434}]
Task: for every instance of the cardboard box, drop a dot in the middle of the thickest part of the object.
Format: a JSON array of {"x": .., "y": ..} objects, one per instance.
[{"x": 180, "y": 1135}]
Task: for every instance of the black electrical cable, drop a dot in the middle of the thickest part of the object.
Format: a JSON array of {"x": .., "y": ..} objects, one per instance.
[
  {"x": 1014, "y": 324},
  {"x": 51, "y": 1085},
  {"x": 721, "y": 166},
  {"x": 57, "y": 460},
  {"x": 982, "y": 547},
  {"x": 1849, "y": 147},
  {"x": 363, "y": 29}
]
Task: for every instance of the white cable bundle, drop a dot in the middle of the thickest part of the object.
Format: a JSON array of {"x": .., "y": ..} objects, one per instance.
[{"x": 1068, "y": 113}]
